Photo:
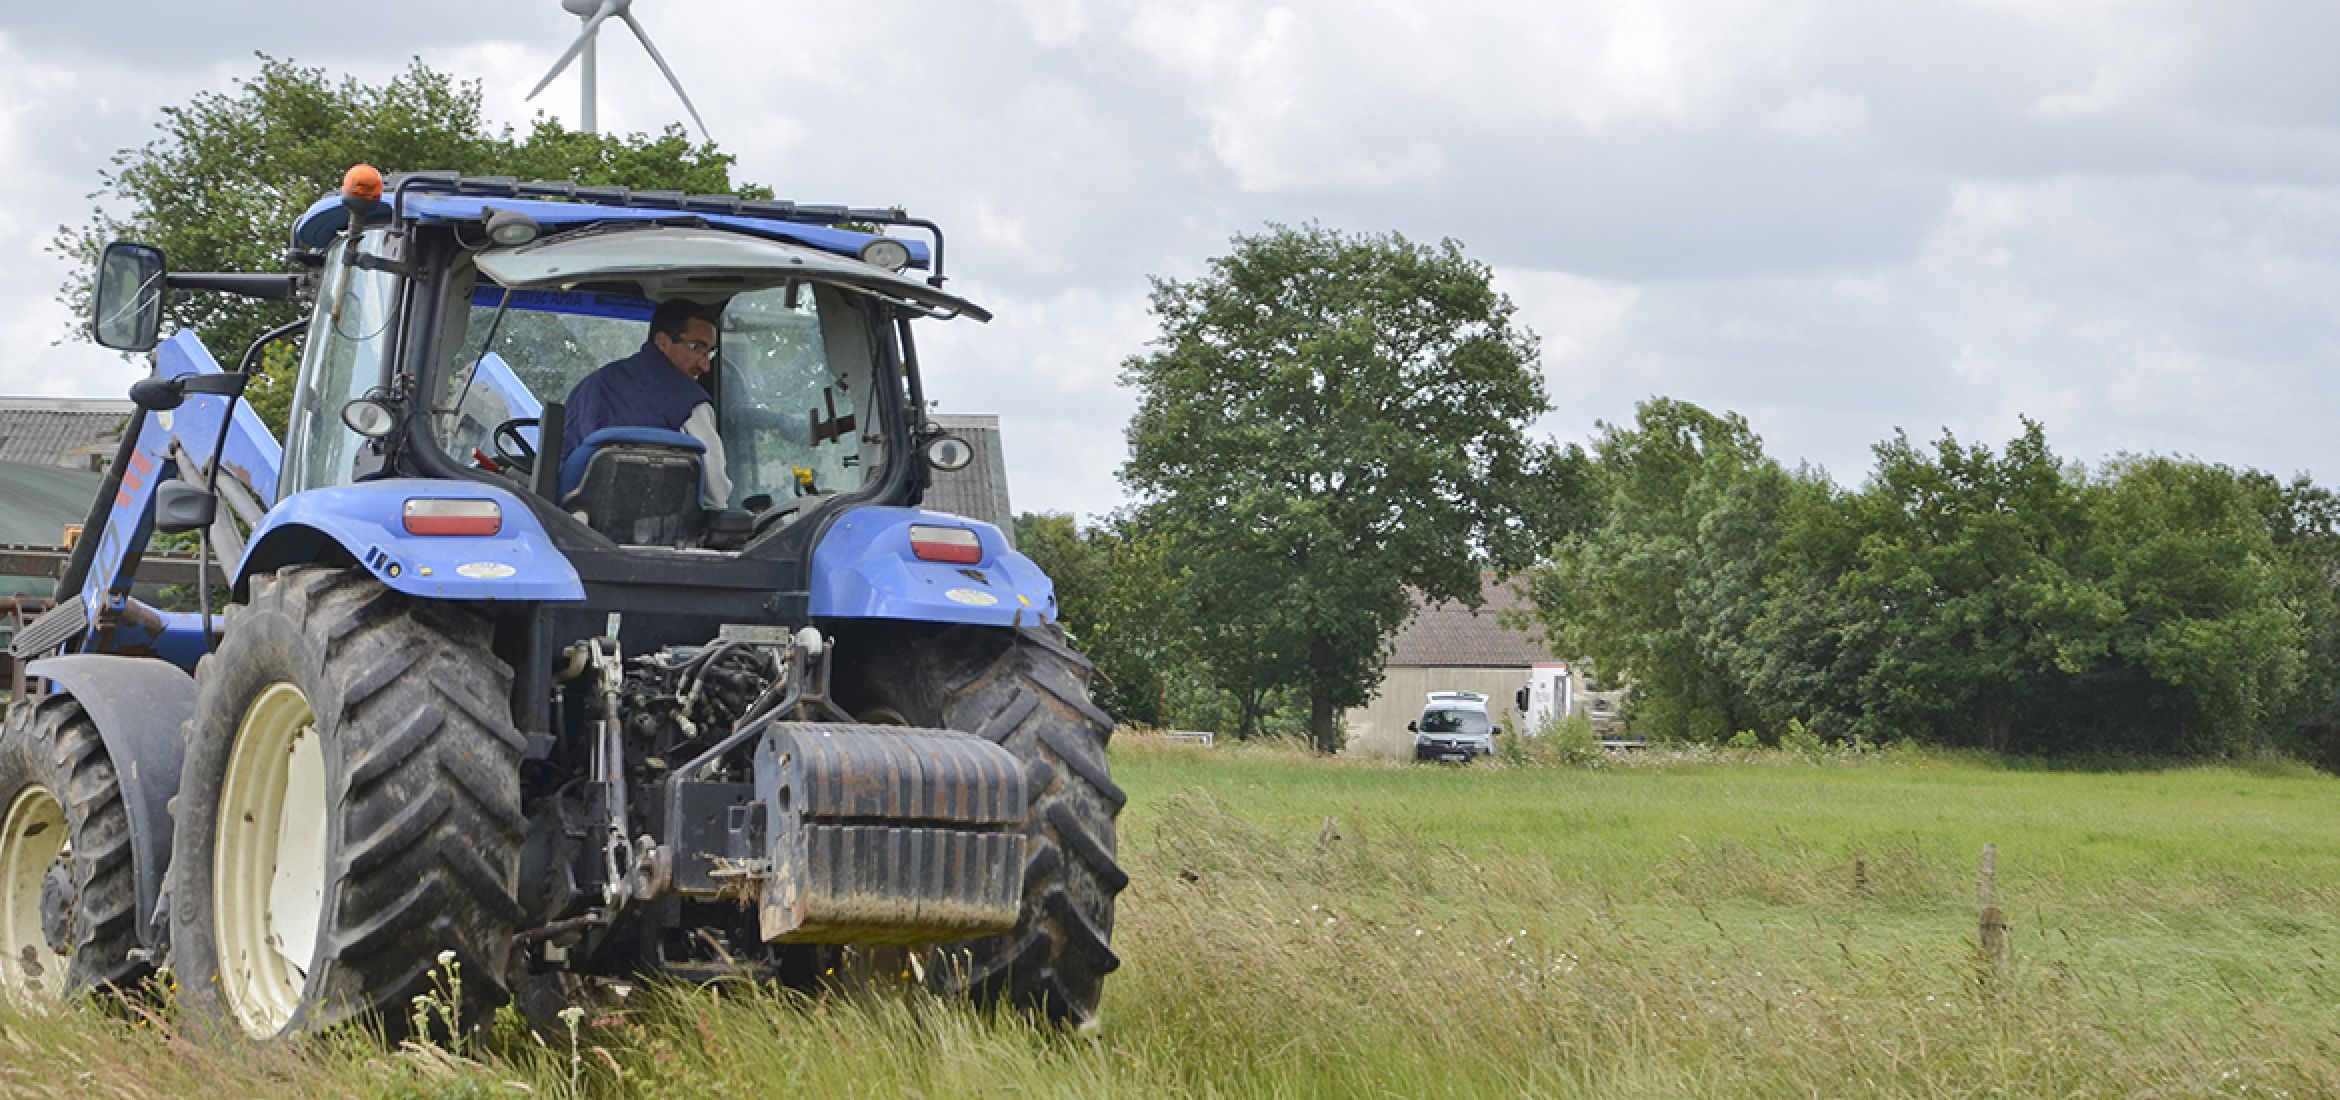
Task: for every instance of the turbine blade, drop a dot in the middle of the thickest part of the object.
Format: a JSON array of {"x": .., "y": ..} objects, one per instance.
[
  {"x": 647, "y": 47},
  {"x": 591, "y": 25}
]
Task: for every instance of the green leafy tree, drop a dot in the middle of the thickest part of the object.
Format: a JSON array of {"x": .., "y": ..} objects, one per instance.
[
  {"x": 1661, "y": 591},
  {"x": 1055, "y": 542},
  {"x": 1122, "y": 605},
  {"x": 1963, "y": 596},
  {"x": 1327, "y": 419},
  {"x": 219, "y": 188},
  {"x": 2210, "y": 651},
  {"x": 2304, "y": 522},
  {"x": 1966, "y": 572}
]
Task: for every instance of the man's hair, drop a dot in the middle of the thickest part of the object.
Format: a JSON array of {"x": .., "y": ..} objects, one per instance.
[{"x": 674, "y": 313}]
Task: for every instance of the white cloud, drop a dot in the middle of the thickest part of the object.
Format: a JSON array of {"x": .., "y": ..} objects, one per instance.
[
  {"x": 1822, "y": 114},
  {"x": 1838, "y": 218},
  {"x": 1056, "y": 22}
]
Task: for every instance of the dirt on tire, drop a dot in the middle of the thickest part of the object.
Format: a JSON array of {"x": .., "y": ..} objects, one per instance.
[
  {"x": 51, "y": 743},
  {"x": 423, "y": 816}
]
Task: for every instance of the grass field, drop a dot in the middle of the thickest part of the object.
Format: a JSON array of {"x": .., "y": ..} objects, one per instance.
[{"x": 1713, "y": 925}]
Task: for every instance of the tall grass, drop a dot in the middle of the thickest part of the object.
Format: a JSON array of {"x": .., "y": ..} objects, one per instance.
[{"x": 1665, "y": 924}]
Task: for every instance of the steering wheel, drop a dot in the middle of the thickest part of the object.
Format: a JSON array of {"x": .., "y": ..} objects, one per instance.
[{"x": 512, "y": 447}]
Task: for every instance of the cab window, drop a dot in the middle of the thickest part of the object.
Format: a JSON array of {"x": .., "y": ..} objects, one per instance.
[
  {"x": 792, "y": 370},
  {"x": 344, "y": 358}
]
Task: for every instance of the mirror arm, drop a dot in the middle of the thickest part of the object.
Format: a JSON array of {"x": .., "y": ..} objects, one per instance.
[
  {"x": 367, "y": 261},
  {"x": 267, "y": 288}
]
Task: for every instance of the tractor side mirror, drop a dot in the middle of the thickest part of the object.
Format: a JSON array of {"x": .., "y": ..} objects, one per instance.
[
  {"x": 180, "y": 507},
  {"x": 129, "y": 297},
  {"x": 948, "y": 452}
]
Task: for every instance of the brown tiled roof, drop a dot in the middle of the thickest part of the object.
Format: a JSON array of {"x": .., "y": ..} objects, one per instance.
[
  {"x": 1449, "y": 635},
  {"x": 61, "y": 431},
  {"x": 980, "y": 490}
]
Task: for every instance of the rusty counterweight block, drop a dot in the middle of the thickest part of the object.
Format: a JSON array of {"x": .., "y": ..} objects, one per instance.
[{"x": 887, "y": 834}]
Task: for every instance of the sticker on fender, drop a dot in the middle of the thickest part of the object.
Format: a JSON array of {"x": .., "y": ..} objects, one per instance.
[
  {"x": 485, "y": 570},
  {"x": 972, "y": 598}
]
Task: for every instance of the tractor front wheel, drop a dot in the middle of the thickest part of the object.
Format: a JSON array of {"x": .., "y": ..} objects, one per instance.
[
  {"x": 349, "y": 812},
  {"x": 68, "y": 891}
]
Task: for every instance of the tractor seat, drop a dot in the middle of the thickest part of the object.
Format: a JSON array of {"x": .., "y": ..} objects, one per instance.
[{"x": 638, "y": 486}]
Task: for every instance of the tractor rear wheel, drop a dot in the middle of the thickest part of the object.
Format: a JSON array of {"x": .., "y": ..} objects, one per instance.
[
  {"x": 349, "y": 812},
  {"x": 68, "y": 890},
  {"x": 1029, "y": 693}
]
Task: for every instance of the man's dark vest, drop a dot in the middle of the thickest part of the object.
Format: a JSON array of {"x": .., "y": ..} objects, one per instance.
[{"x": 642, "y": 390}]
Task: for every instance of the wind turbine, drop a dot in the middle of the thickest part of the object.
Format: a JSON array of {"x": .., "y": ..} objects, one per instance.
[{"x": 594, "y": 12}]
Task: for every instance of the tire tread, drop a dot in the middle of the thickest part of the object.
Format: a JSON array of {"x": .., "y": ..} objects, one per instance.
[{"x": 429, "y": 799}]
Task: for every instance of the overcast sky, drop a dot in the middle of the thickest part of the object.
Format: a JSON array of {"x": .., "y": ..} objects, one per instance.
[{"x": 2119, "y": 218}]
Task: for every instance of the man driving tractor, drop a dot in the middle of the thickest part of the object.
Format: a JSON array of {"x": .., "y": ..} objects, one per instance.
[{"x": 658, "y": 387}]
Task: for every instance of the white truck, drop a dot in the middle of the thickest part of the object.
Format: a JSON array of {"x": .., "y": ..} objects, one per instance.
[{"x": 1553, "y": 692}]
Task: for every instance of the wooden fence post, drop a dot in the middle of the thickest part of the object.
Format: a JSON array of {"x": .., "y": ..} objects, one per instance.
[{"x": 1991, "y": 926}]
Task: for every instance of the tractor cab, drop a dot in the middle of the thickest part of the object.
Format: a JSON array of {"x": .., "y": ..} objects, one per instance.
[{"x": 804, "y": 392}]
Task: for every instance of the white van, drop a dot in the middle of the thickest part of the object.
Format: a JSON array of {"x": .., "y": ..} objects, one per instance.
[{"x": 1454, "y": 726}]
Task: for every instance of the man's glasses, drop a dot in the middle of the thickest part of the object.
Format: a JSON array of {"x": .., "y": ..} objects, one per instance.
[{"x": 697, "y": 348}]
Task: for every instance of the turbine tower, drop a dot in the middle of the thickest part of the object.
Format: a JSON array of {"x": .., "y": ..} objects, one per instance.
[{"x": 594, "y": 12}]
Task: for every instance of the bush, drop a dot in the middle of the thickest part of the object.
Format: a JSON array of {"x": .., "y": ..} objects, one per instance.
[
  {"x": 1744, "y": 739},
  {"x": 1566, "y": 742},
  {"x": 1798, "y": 740}
]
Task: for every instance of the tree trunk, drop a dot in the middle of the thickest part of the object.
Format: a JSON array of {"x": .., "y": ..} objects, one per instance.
[
  {"x": 1320, "y": 721},
  {"x": 1993, "y": 719},
  {"x": 1320, "y": 706}
]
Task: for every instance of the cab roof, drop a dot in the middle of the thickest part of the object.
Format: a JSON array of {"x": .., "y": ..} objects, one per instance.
[{"x": 579, "y": 205}]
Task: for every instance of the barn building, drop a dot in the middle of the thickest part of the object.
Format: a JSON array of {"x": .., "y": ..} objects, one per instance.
[{"x": 1449, "y": 647}]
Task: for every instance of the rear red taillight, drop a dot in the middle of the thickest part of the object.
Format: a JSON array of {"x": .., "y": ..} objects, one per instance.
[
  {"x": 955, "y": 545},
  {"x": 437, "y": 516}
]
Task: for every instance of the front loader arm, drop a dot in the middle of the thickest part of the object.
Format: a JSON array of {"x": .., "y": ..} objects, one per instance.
[{"x": 100, "y": 611}]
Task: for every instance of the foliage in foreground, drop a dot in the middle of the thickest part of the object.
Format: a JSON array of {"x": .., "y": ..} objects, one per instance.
[{"x": 1700, "y": 922}]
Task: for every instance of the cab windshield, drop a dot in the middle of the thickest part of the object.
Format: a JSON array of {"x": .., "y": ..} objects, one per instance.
[
  {"x": 790, "y": 386},
  {"x": 1455, "y": 721}
]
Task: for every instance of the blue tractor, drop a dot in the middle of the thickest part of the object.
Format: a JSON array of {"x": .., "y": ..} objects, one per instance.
[{"x": 540, "y": 710}]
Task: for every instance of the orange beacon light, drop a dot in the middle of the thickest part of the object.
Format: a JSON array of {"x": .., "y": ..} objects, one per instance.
[{"x": 362, "y": 182}]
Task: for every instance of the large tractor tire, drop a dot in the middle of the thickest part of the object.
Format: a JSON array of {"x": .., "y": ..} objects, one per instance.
[
  {"x": 68, "y": 889},
  {"x": 1028, "y": 692},
  {"x": 349, "y": 810}
]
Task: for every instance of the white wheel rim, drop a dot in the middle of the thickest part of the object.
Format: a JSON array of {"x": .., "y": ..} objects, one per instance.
[
  {"x": 268, "y": 860},
  {"x": 32, "y": 838}
]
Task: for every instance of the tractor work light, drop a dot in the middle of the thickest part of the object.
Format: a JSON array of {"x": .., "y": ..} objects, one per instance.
[
  {"x": 440, "y": 516},
  {"x": 954, "y": 545},
  {"x": 511, "y": 228},
  {"x": 887, "y": 253},
  {"x": 369, "y": 417}
]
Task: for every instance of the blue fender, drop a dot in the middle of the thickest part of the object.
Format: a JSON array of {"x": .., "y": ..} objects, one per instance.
[
  {"x": 367, "y": 520},
  {"x": 138, "y": 705},
  {"x": 863, "y": 569}
]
